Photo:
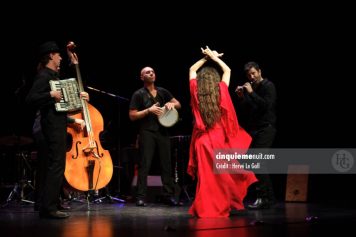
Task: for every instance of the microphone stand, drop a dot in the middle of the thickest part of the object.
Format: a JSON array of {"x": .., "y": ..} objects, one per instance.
[
  {"x": 118, "y": 148},
  {"x": 109, "y": 94}
]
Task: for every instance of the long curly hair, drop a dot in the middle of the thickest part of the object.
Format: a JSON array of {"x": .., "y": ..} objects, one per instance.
[{"x": 209, "y": 95}]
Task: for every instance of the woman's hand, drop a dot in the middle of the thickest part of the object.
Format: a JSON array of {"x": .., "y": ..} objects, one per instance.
[{"x": 211, "y": 53}]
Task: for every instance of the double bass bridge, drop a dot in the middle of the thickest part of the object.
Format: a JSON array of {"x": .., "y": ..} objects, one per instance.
[{"x": 93, "y": 150}]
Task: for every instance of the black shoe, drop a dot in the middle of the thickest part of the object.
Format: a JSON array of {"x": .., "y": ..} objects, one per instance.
[
  {"x": 61, "y": 207},
  {"x": 54, "y": 214},
  {"x": 141, "y": 203},
  {"x": 260, "y": 203}
]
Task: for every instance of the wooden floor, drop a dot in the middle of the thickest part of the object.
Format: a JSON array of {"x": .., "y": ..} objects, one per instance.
[{"x": 125, "y": 219}]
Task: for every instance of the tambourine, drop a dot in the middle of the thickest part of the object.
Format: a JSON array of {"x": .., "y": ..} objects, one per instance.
[{"x": 169, "y": 117}]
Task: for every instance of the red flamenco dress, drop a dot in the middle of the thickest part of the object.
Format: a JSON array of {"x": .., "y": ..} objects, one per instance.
[{"x": 217, "y": 194}]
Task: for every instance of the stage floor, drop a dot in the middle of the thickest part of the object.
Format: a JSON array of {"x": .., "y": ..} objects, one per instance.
[{"x": 125, "y": 219}]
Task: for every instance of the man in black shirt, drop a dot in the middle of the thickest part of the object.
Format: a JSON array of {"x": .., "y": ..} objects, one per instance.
[
  {"x": 256, "y": 109},
  {"x": 53, "y": 126},
  {"x": 145, "y": 106}
]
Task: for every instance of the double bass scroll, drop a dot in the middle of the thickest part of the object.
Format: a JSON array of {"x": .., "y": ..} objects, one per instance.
[{"x": 88, "y": 165}]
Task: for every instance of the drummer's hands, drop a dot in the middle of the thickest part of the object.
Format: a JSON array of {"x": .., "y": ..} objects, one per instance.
[
  {"x": 156, "y": 109},
  {"x": 169, "y": 105}
]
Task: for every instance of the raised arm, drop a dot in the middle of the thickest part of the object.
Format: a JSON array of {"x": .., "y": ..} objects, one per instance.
[
  {"x": 213, "y": 55},
  {"x": 195, "y": 67}
]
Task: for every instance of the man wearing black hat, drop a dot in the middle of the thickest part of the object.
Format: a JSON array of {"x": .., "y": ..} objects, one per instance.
[{"x": 53, "y": 125}]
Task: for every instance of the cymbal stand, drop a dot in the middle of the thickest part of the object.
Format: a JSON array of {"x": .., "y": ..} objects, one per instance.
[
  {"x": 108, "y": 197},
  {"x": 177, "y": 180},
  {"x": 24, "y": 182},
  {"x": 76, "y": 197},
  {"x": 179, "y": 151}
]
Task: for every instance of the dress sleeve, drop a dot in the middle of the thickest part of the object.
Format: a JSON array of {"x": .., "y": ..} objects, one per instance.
[
  {"x": 199, "y": 124},
  {"x": 197, "y": 129},
  {"x": 228, "y": 114}
]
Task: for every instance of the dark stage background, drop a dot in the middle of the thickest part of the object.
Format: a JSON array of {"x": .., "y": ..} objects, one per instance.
[{"x": 303, "y": 49}]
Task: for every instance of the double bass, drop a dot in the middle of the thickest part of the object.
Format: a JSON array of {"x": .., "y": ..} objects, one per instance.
[{"x": 88, "y": 165}]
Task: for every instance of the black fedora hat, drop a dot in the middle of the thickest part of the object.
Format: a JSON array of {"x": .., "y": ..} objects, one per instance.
[{"x": 48, "y": 47}]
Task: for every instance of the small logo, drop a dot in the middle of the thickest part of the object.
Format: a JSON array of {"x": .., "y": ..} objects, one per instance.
[{"x": 342, "y": 161}]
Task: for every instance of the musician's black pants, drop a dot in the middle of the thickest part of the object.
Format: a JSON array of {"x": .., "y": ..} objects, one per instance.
[
  {"x": 263, "y": 138},
  {"x": 149, "y": 141},
  {"x": 40, "y": 179},
  {"x": 54, "y": 128},
  {"x": 41, "y": 171}
]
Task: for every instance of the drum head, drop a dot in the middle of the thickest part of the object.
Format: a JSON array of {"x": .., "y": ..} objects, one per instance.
[{"x": 169, "y": 118}]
